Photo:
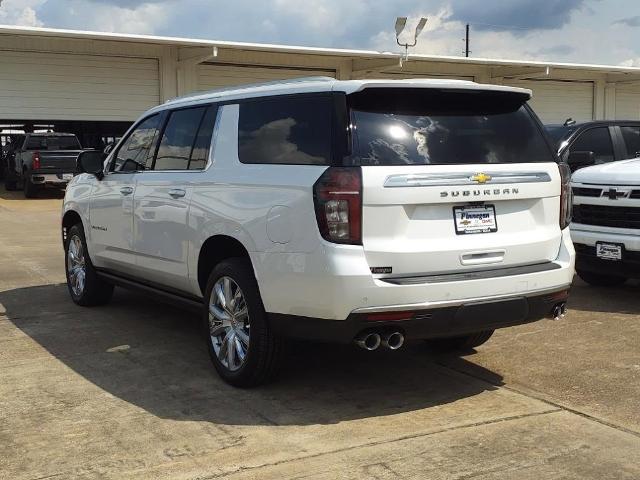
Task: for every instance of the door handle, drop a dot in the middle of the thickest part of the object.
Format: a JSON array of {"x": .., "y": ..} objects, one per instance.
[
  {"x": 126, "y": 190},
  {"x": 177, "y": 193}
]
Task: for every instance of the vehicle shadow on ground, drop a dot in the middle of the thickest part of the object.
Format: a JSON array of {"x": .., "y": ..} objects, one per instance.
[
  {"x": 153, "y": 357},
  {"x": 619, "y": 299},
  {"x": 43, "y": 194}
]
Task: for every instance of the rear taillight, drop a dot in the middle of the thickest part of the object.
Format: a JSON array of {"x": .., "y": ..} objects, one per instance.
[
  {"x": 35, "y": 161},
  {"x": 338, "y": 200},
  {"x": 566, "y": 196}
]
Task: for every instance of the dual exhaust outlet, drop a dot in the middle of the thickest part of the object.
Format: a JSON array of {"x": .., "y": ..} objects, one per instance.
[{"x": 373, "y": 340}]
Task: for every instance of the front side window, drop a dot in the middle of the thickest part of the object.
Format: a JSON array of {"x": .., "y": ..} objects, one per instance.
[
  {"x": 598, "y": 141},
  {"x": 286, "y": 130},
  {"x": 631, "y": 136},
  {"x": 432, "y": 126},
  {"x": 136, "y": 153}
]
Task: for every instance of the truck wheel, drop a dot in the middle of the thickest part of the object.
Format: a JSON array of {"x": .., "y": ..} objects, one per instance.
[
  {"x": 600, "y": 279},
  {"x": 243, "y": 348},
  {"x": 30, "y": 190},
  {"x": 461, "y": 343},
  {"x": 85, "y": 287}
]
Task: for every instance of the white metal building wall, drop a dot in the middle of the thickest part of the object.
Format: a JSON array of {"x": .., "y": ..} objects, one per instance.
[
  {"x": 555, "y": 101},
  {"x": 628, "y": 102},
  {"x": 59, "y": 86},
  {"x": 212, "y": 76}
]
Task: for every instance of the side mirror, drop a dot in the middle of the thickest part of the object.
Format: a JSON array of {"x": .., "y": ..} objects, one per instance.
[
  {"x": 91, "y": 161},
  {"x": 578, "y": 160}
]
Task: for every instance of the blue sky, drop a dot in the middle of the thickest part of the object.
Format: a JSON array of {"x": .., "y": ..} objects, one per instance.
[{"x": 584, "y": 31}]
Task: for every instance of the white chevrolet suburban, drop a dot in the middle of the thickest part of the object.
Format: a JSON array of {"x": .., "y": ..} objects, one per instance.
[
  {"x": 606, "y": 222},
  {"x": 362, "y": 211}
]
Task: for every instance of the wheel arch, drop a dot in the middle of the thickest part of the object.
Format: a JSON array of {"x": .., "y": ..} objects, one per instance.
[
  {"x": 214, "y": 250},
  {"x": 69, "y": 219}
]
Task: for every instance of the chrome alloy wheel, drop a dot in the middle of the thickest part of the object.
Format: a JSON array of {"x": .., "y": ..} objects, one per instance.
[
  {"x": 76, "y": 266},
  {"x": 229, "y": 323}
]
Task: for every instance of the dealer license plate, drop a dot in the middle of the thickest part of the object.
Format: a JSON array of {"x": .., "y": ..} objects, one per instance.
[
  {"x": 475, "y": 219},
  {"x": 609, "y": 251}
]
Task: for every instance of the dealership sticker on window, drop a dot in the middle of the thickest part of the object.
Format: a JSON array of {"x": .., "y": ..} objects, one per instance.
[{"x": 475, "y": 219}]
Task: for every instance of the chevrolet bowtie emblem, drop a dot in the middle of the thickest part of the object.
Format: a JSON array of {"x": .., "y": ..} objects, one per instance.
[{"x": 481, "y": 178}]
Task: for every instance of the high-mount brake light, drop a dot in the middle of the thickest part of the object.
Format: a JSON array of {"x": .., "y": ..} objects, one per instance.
[
  {"x": 338, "y": 202},
  {"x": 566, "y": 196},
  {"x": 35, "y": 161}
]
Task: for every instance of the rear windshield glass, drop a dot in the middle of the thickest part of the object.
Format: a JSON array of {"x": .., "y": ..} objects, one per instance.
[
  {"x": 53, "y": 143},
  {"x": 421, "y": 127}
]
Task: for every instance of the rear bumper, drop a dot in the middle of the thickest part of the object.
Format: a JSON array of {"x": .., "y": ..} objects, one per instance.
[
  {"x": 336, "y": 282},
  {"x": 49, "y": 179},
  {"x": 446, "y": 321}
]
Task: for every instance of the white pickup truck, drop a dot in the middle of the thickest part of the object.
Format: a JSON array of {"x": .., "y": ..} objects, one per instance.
[{"x": 606, "y": 222}]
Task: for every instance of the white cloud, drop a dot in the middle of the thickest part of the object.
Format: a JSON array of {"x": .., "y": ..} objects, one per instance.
[{"x": 20, "y": 12}]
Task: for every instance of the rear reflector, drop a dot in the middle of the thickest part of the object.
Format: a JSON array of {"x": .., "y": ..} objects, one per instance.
[{"x": 389, "y": 316}]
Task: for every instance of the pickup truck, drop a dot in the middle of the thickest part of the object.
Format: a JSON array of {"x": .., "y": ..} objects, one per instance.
[
  {"x": 606, "y": 222},
  {"x": 39, "y": 160},
  {"x": 593, "y": 143}
]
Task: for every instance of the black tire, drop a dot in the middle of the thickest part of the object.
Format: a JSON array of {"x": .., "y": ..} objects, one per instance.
[
  {"x": 601, "y": 279},
  {"x": 265, "y": 349},
  {"x": 461, "y": 343},
  {"x": 30, "y": 190},
  {"x": 95, "y": 290}
]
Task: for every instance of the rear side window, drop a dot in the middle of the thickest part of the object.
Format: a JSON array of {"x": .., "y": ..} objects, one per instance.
[
  {"x": 431, "y": 126},
  {"x": 631, "y": 136},
  {"x": 286, "y": 130},
  {"x": 596, "y": 140},
  {"x": 136, "y": 153},
  {"x": 52, "y": 143}
]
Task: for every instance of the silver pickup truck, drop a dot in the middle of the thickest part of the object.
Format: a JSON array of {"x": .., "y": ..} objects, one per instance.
[{"x": 37, "y": 160}]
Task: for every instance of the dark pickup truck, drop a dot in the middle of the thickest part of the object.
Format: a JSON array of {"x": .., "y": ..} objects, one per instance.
[{"x": 37, "y": 160}]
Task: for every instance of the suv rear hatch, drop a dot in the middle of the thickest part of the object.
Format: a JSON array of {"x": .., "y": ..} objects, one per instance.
[{"x": 453, "y": 180}]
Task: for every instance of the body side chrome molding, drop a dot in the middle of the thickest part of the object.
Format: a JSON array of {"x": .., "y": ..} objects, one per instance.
[
  {"x": 466, "y": 178},
  {"x": 459, "y": 302}
]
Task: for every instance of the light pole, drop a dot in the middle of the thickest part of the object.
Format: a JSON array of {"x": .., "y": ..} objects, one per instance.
[{"x": 401, "y": 22}]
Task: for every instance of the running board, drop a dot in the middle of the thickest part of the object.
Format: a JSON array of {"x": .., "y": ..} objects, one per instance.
[{"x": 184, "y": 301}]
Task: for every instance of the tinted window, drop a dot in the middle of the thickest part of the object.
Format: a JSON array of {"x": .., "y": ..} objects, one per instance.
[
  {"x": 52, "y": 143},
  {"x": 415, "y": 127},
  {"x": 288, "y": 130},
  {"x": 136, "y": 153},
  {"x": 200, "y": 153},
  {"x": 631, "y": 136},
  {"x": 558, "y": 133},
  {"x": 178, "y": 139},
  {"x": 596, "y": 140}
]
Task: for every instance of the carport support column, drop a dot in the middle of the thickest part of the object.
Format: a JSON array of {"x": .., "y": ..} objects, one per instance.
[
  {"x": 599, "y": 100},
  {"x": 168, "y": 74},
  {"x": 610, "y": 101}
]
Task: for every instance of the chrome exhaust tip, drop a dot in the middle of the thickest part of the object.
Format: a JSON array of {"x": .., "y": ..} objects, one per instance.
[
  {"x": 393, "y": 340},
  {"x": 559, "y": 311},
  {"x": 368, "y": 341}
]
